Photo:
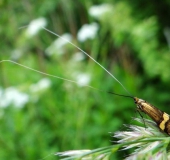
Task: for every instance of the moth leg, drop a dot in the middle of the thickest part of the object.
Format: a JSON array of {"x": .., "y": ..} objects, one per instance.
[{"x": 142, "y": 118}]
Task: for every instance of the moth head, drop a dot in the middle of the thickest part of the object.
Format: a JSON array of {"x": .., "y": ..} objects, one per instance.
[{"x": 139, "y": 102}]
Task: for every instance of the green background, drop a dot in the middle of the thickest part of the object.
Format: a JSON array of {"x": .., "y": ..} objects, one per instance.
[{"x": 131, "y": 42}]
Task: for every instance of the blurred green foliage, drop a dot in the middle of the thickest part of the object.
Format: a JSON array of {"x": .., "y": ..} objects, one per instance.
[{"x": 132, "y": 43}]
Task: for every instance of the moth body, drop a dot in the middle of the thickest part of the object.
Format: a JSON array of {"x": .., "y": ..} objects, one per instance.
[{"x": 161, "y": 118}]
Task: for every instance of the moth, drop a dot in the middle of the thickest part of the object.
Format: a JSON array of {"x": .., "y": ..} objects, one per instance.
[{"x": 161, "y": 118}]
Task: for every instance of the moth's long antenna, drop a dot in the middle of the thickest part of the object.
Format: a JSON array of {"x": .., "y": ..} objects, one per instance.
[
  {"x": 45, "y": 73},
  {"x": 121, "y": 95},
  {"x": 62, "y": 78},
  {"x": 89, "y": 57}
]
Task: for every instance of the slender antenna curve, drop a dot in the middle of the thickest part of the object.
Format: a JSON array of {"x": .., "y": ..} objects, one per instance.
[
  {"x": 121, "y": 95},
  {"x": 88, "y": 56},
  {"x": 50, "y": 75},
  {"x": 62, "y": 78}
]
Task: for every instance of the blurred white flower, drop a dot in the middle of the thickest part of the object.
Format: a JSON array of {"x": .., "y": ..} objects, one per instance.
[
  {"x": 98, "y": 10},
  {"x": 12, "y": 96},
  {"x": 87, "y": 31},
  {"x": 57, "y": 47},
  {"x": 79, "y": 56},
  {"x": 82, "y": 79},
  {"x": 41, "y": 85},
  {"x": 35, "y": 26},
  {"x": 16, "y": 54}
]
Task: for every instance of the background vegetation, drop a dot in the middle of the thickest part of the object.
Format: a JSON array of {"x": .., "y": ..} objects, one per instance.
[{"x": 40, "y": 115}]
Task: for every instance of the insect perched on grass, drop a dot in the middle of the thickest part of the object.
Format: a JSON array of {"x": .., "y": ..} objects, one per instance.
[{"x": 161, "y": 118}]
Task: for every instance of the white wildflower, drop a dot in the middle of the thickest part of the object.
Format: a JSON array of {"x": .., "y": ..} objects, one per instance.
[
  {"x": 99, "y": 10},
  {"x": 35, "y": 26},
  {"x": 12, "y": 96},
  {"x": 43, "y": 84},
  {"x": 83, "y": 79},
  {"x": 87, "y": 31},
  {"x": 57, "y": 47},
  {"x": 79, "y": 56}
]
